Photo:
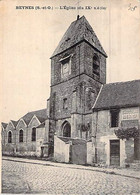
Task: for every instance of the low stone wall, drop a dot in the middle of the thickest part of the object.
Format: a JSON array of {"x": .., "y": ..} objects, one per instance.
[
  {"x": 22, "y": 149},
  {"x": 61, "y": 150}
]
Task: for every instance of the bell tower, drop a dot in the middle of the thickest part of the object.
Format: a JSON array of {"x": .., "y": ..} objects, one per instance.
[{"x": 78, "y": 69}]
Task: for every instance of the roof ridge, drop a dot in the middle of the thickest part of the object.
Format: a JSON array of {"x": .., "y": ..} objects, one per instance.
[
  {"x": 32, "y": 112},
  {"x": 117, "y": 82},
  {"x": 37, "y": 110}
]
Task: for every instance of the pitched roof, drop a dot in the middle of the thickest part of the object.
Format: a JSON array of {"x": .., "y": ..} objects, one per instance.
[
  {"x": 121, "y": 94},
  {"x": 4, "y": 125},
  {"x": 40, "y": 114},
  {"x": 79, "y": 30},
  {"x": 42, "y": 119},
  {"x": 14, "y": 123},
  {"x": 74, "y": 140},
  {"x": 41, "y": 125}
]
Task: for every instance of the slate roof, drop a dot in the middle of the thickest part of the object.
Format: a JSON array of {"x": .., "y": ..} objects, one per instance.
[
  {"x": 4, "y": 125},
  {"x": 78, "y": 31},
  {"x": 40, "y": 114},
  {"x": 74, "y": 140},
  {"x": 121, "y": 94}
]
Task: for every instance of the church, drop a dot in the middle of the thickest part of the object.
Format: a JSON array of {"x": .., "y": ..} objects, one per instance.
[{"x": 86, "y": 120}]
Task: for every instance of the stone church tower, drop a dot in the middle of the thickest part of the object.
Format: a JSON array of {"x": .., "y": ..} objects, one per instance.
[{"x": 78, "y": 69}]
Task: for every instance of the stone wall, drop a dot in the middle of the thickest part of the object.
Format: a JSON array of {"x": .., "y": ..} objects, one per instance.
[
  {"x": 77, "y": 64},
  {"x": 11, "y": 128},
  {"x": 23, "y": 126},
  {"x": 80, "y": 87},
  {"x": 61, "y": 150},
  {"x": 81, "y": 62},
  {"x": 75, "y": 120},
  {"x": 129, "y": 150},
  {"x": 78, "y": 153},
  {"x": 90, "y": 153},
  {"x": 88, "y": 61}
]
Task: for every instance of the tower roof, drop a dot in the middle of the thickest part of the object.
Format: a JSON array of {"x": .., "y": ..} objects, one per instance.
[{"x": 78, "y": 31}]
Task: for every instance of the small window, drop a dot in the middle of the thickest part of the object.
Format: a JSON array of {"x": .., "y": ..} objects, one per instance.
[
  {"x": 10, "y": 137},
  {"x": 34, "y": 134},
  {"x": 114, "y": 118},
  {"x": 65, "y": 66},
  {"x": 21, "y": 135},
  {"x": 65, "y": 103},
  {"x": 65, "y": 69},
  {"x": 96, "y": 65}
]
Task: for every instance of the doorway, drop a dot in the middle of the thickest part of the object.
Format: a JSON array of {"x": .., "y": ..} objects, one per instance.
[
  {"x": 42, "y": 152},
  {"x": 115, "y": 152},
  {"x": 137, "y": 148},
  {"x": 66, "y": 129}
]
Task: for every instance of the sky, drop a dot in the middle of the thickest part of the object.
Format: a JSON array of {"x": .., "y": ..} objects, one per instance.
[{"x": 29, "y": 37}]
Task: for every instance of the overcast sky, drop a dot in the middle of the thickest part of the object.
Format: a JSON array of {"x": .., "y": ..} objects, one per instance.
[{"x": 30, "y": 36}]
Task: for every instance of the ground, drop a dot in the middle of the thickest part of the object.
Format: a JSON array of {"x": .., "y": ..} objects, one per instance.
[{"x": 22, "y": 177}]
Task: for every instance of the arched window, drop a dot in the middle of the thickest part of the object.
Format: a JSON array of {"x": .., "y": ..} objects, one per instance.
[
  {"x": 21, "y": 135},
  {"x": 96, "y": 65},
  {"x": 9, "y": 137},
  {"x": 34, "y": 134},
  {"x": 66, "y": 129},
  {"x": 65, "y": 103}
]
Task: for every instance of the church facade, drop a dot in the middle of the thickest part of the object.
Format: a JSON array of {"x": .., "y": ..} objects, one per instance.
[{"x": 78, "y": 125}]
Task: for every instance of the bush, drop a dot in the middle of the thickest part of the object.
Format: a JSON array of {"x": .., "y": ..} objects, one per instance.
[{"x": 127, "y": 133}]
